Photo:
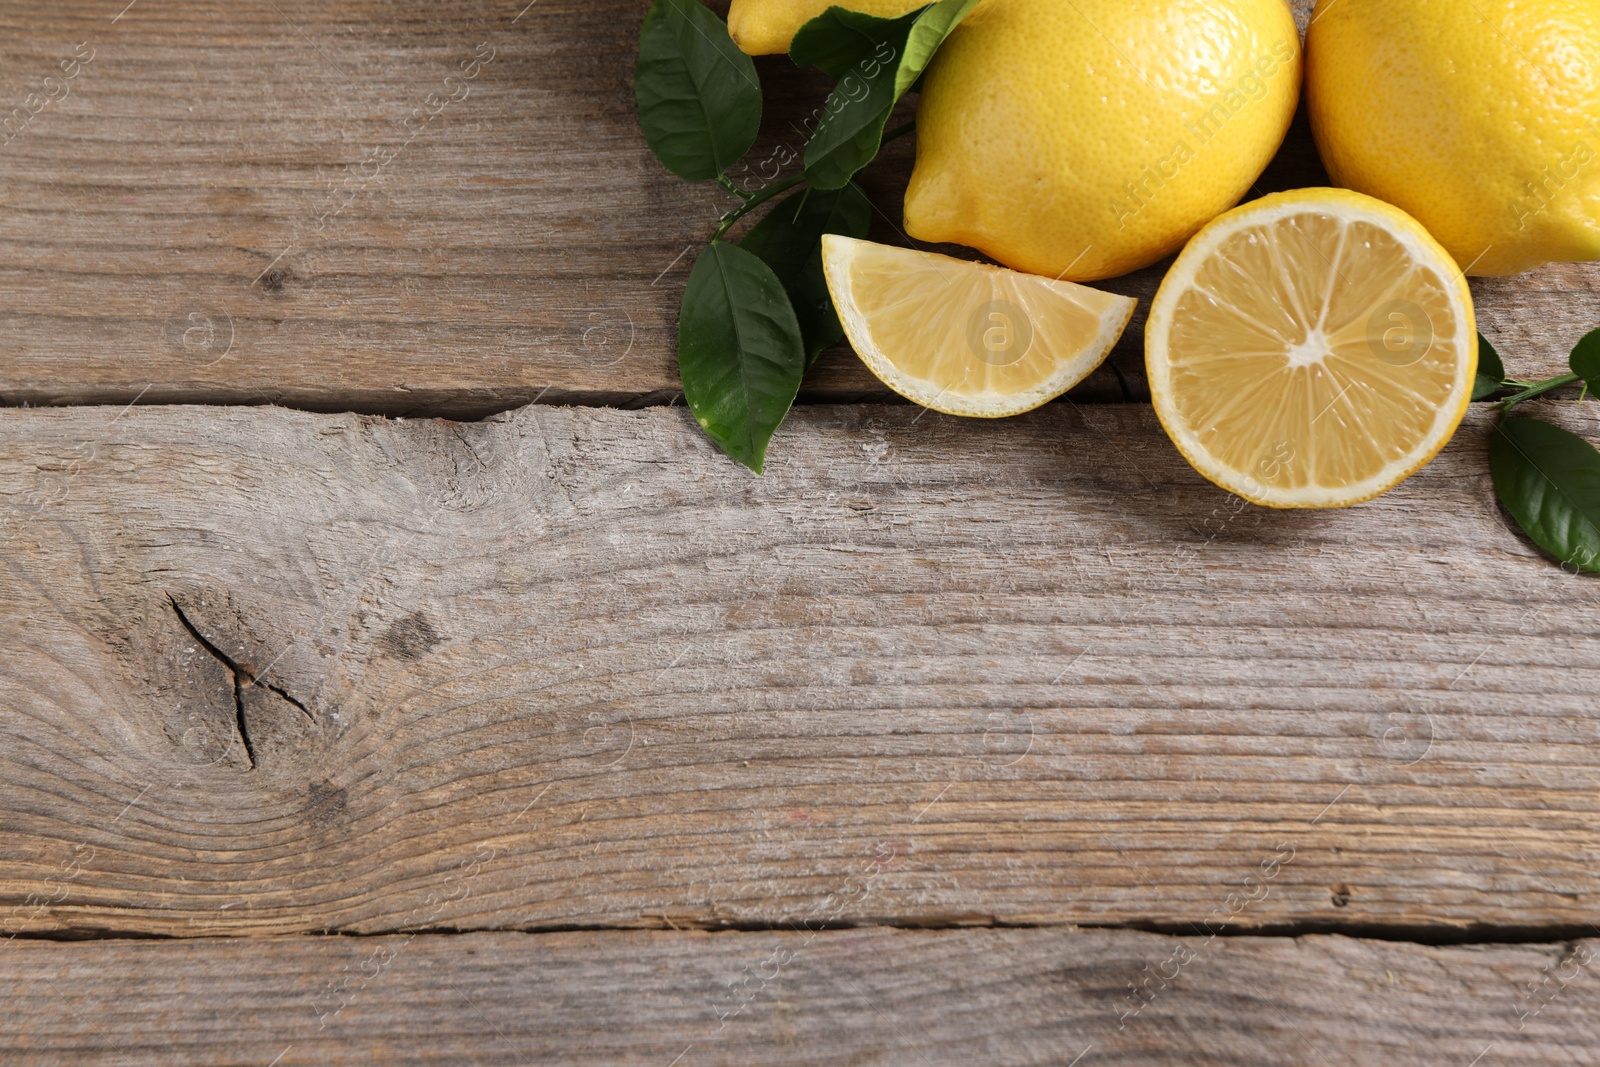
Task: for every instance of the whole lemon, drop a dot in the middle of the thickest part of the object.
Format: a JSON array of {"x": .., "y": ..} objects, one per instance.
[
  {"x": 1087, "y": 138},
  {"x": 764, "y": 27},
  {"x": 1481, "y": 118}
]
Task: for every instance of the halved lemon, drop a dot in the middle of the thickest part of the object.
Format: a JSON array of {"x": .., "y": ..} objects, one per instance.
[
  {"x": 967, "y": 338},
  {"x": 1311, "y": 349}
]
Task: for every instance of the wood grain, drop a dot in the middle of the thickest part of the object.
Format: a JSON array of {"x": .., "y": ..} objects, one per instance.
[
  {"x": 1002, "y": 997},
  {"x": 241, "y": 202},
  {"x": 926, "y": 670}
]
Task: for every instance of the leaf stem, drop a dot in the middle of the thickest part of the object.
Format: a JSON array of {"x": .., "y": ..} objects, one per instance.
[
  {"x": 727, "y": 183},
  {"x": 899, "y": 131},
  {"x": 1538, "y": 389},
  {"x": 755, "y": 200}
]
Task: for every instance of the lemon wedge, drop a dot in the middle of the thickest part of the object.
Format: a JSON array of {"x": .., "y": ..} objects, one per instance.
[
  {"x": 967, "y": 338},
  {"x": 1311, "y": 349}
]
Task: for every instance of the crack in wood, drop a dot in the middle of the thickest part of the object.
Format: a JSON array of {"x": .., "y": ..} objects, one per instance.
[{"x": 241, "y": 677}]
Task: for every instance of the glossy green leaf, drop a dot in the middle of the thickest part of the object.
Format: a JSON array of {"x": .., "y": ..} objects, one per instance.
[
  {"x": 1549, "y": 480},
  {"x": 926, "y": 36},
  {"x": 698, "y": 96},
  {"x": 789, "y": 240},
  {"x": 851, "y": 130},
  {"x": 740, "y": 353},
  {"x": 1585, "y": 360},
  {"x": 1491, "y": 372},
  {"x": 838, "y": 40}
]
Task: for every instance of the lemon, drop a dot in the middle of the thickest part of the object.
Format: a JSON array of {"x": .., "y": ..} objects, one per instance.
[
  {"x": 1311, "y": 349},
  {"x": 967, "y": 338},
  {"x": 1479, "y": 117},
  {"x": 1087, "y": 139},
  {"x": 765, "y": 27}
]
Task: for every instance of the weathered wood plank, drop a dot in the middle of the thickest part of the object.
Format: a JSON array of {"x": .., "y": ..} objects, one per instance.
[
  {"x": 926, "y": 669},
  {"x": 240, "y": 202},
  {"x": 1002, "y": 997}
]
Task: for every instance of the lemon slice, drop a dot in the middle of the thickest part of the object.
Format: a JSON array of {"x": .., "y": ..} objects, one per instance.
[
  {"x": 967, "y": 338},
  {"x": 1311, "y": 349}
]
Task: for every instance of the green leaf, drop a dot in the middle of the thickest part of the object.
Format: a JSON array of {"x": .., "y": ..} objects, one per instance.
[
  {"x": 789, "y": 240},
  {"x": 1585, "y": 362},
  {"x": 699, "y": 100},
  {"x": 838, "y": 39},
  {"x": 1549, "y": 480},
  {"x": 927, "y": 35},
  {"x": 1491, "y": 372},
  {"x": 851, "y": 130},
  {"x": 739, "y": 351}
]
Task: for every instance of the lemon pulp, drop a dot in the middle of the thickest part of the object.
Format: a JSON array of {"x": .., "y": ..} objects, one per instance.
[
  {"x": 1311, "y": 349},
  {"x": 968, "y": 338}
]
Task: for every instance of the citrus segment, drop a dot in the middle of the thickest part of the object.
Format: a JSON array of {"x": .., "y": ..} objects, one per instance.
[
  {"x": 968, "y": 338},
  {"x": 1311, "y": 349}
]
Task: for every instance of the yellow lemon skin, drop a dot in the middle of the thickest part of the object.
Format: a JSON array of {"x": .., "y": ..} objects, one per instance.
[
  {"x": 1481, "y": 118},
  {"x": 1087, "y": 139},
  {"x": 765, "y": 27}
]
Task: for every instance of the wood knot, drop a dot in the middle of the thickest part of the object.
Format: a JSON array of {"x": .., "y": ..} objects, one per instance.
[
  {"x": 326, "y": 802},
  {"x": 411, "y": 638},
  {"x": 256, "y": 702}
]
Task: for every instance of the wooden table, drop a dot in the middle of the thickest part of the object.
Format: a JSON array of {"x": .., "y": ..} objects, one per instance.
[{"x": 336, "y": 731}]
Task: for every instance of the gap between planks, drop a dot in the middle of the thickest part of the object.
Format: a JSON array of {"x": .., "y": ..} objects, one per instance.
[{"x": 1477, "y": 935}]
